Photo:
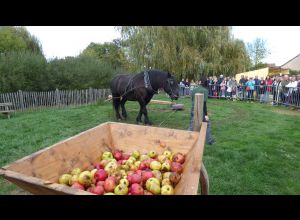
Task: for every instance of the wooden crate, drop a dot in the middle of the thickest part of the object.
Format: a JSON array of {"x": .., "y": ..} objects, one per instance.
[{"x": 38, "y": 173}]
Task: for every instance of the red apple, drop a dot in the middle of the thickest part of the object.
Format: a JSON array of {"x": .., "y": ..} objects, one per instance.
[
  {"x": 97, "y": 165},
  {"x": 174, "y": 178},
  {"x": 77, "y": 185},
  {"x": 100, "y": 183},
  {"x": 125, "y": 156},
  {"x": 100, "y": 175},
  {"x": 146, "y": 175},
  {"x": 134, "y": 178},
  {"x": 117, "y": 154},
  {"x": 176, "y": 167},
  {"x": 179, "y": 158},
  {"x": 109, "y": 184},
  {"x": 136, "y": 189},
  {"x": 142, "y": 166},
  {"x": 98, "y": 190},
  {"x": 120, "y": 162},
  {"x": 139, "y": 172}
]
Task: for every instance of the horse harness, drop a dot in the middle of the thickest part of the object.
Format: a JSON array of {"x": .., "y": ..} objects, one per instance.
[{"x": 147, "y": 85}]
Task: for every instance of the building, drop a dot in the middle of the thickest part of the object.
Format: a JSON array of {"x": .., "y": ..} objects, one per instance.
[
  {"x": 270, "y": 70},
  {"x": 293, "y": 64}
]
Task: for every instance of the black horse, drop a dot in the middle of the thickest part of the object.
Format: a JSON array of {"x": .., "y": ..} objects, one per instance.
[{"x": 141, "y": 87}]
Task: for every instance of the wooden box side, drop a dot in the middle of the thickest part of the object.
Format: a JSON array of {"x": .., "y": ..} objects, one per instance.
[
  {"x": 189, "y": 182},
  {"x": 51, "y": 162},
  {"x": 144, "y": 138}
]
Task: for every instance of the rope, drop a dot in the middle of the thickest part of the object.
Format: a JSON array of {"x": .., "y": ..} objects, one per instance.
[{"x": 167, "y": 118}]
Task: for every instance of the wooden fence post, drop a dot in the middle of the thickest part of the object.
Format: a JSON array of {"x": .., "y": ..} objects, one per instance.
[
  {"x": 198, "y": 111},
  {"x": 90, "y": 95},
  {"x": 198, "y": 118},
  {"x": 21, "y": 100},
  {"x": 57, "y": 98}
]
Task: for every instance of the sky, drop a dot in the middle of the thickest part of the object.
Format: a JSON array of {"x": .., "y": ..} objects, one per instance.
[{"x": 61, "y": 41}]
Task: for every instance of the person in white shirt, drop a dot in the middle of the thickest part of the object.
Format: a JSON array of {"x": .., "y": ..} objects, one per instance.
[{"x": 292, "y": 90}]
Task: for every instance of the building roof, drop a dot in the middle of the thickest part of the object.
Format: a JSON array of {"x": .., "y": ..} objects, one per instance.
[{"x": 293, "y": 64}]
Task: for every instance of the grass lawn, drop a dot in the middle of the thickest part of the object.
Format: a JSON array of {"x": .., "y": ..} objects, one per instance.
[{"x": 257, "y": 149}]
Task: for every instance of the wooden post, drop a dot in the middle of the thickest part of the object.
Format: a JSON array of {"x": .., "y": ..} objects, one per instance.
[
  {"x": 57, "y": 97},
  {"x": 198, "y": 117},
  {"x": 90, "y": 95},
  {"x": 198, "y": 111},
  {"x": 21, "y": 100}
]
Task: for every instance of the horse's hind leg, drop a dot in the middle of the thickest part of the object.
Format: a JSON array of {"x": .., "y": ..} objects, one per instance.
[
  {"x": 122, "y": 103},
  {"x": 116, "y": 103}
]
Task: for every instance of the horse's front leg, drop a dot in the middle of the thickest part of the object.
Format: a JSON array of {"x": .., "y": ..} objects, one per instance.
[
  {"x": 146, "y": 119},
  {"x": 124, "y": 113}
]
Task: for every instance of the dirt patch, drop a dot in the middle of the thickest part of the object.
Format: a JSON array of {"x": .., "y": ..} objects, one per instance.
[{"x": 287, "y": 112}]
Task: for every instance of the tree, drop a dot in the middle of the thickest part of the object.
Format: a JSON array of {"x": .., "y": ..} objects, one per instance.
[
  {"x": 111, "y": 53},
  {"x": 18, "y": 39},
  {"x": 257, "y": 51},
  {"x": 188, "y": 51}
]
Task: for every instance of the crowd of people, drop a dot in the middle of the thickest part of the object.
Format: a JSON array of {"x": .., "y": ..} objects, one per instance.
[{"x": 284, "y": 90}]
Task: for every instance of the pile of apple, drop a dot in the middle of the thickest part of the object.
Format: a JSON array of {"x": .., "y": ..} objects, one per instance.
[{"x": 117, "y": 173}]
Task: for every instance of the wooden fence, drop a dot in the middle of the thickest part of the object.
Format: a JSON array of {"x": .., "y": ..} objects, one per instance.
[{"x": 24, "y": 101}]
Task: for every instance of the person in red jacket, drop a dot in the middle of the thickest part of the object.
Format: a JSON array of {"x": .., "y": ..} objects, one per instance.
[{"x": 268, "y": 85}]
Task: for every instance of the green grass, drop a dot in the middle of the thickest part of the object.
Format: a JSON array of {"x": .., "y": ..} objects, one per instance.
[{"x": 257, "y": 149}]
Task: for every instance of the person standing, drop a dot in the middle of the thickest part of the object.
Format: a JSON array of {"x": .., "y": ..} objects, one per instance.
[
  {"x": 262, "y": 90},
  {"x": 256, "y": 87},
  {"x": 202, "y": 88},
  {"x": 242, "y": 84},
  {"x": 250, "y": 88},
  {"x": 268, "y": 88},
  {"x": 284, "y": 90},
  {"x": 182, "y": 86}
]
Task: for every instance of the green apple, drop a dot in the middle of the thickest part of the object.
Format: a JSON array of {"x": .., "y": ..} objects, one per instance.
[
  {"x": 74, "y": 179},
  {"x": 136, "y": 154},
  {"x": 154, "y": 188},
  {"x": 85, "y": 178},
  {"x": 167, "y": 190},
  {"x": 166, "y": 175},
  {"x": 155, "y": 165},
  {"x": 144, "y": 157},
  {"x": 165, "y": 166},
  {"x": 125, "y": 167},
  {"x": 133, "y": 167},
  {"x": 124, "y": 182},
  {"x": 132, "y": 158},
  {"x": 121, "y": 190},
  {"x": 166, "y": 182},
  {"x": 65, "y": 179},
  {"x": 150, "y": 181},
  {"x": 76, "y": 171},
  {"x": 107, "y": 155},
  {"x": 123, "y": 173},
  {"x": 168, "y": 154},
  {"x": 162, "y": 158},
  {"x": 137, "y": 164},
  {"x": 157, "y": 174},
  {"x": 152, "y": 154},
  {"x": 111, "y": 167},
  {"x": 93, "y": 172},
  {"x": 129, "y": 162}
]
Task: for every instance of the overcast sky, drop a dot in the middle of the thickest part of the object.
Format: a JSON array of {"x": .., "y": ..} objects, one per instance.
[{"x": 61, "y": 41}]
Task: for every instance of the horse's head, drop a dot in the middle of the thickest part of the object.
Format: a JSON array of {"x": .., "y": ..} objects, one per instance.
[{"x": 171, "y": 87}]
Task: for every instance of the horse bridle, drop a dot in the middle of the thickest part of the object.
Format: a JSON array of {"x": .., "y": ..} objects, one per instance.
[{"x": 169, "y": 83}]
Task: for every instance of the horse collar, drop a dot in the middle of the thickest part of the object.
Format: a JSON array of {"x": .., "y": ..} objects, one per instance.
[{"x": 147, "y": 81}]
